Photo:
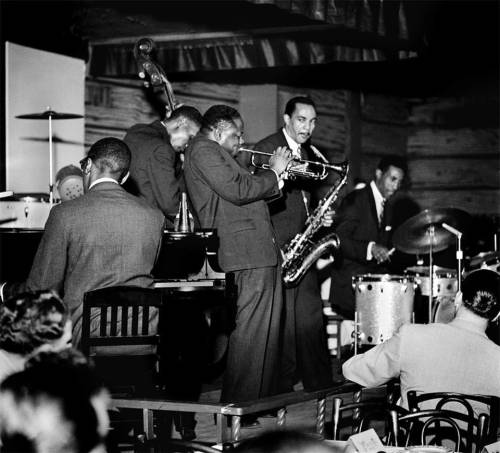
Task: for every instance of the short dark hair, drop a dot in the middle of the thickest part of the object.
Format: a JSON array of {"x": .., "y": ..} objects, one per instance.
[
  {"x": 187, "y": 112},
  {"x": 26, "y": 321},
  {"x": 392, "y": 160},
  {"x": 292, "y": 104},
  {"x": 481, "y": 293},
  {"x": 219, "y": 115},
  {"x": 111, "y": 155}
]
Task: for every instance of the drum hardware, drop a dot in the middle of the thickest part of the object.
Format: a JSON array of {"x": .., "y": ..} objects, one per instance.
[
  {"x": 50, "y": 115},
  {"x": 431, "y": 231},
  {"x": 484, "y": 260},
  {"x": 383, "y": 303}
]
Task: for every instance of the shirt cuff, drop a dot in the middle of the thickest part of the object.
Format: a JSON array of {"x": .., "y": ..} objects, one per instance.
[
  {"x": 369, "y": 255},
  {"x": 281, "y": 183}
]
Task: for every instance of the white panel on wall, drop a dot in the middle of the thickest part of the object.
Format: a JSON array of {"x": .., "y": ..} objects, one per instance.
[{"x": 35, "y": 80}]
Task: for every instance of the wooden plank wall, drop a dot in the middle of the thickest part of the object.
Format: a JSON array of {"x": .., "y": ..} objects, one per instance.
[
  {"x": 453, "y": 152},
  {"x": 112, "y": 105},
  {"x": 384, "y": 130}
]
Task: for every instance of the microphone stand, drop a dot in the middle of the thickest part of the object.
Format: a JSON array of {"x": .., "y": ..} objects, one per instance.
[{"x": 459, "y": 254}]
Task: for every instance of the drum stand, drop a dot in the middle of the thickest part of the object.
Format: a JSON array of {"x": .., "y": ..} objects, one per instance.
[
  {"x": 430, "y": 232},
  {"x": 459, "y": 254}
]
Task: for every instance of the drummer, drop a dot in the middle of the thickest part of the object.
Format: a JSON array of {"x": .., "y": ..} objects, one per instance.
[{"x": 364, "y": 229}]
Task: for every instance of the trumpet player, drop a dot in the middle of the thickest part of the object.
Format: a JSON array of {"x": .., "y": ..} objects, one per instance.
[
  {"x": 306, "y": 356},
  {"x": 227, "y": 197}
]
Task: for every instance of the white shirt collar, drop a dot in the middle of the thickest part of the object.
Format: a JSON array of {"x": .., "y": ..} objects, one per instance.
[
  {"x": 379, "y": 199},
  {"x": 292, "y": 144},
  {"x": 98, "y": 181}
]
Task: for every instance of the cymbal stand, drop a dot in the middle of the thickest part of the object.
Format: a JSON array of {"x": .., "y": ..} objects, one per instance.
[
  {"x": 460, "y": 254},
  {"x": 51, "y": 160},
  {"x": 430, "y": 232}
]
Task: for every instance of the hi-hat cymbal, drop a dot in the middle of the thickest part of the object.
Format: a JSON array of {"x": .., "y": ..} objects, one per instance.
[
  {"x": 49, "y": 114},
  {"x": 414, "y": 237},
  {"x": 55, "y": 139}
]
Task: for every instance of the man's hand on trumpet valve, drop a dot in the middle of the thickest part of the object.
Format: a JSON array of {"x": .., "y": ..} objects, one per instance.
[{"x": 280, "y": 160}]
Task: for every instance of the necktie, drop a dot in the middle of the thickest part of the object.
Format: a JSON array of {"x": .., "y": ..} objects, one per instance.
[{"x": 381, "y": 215}]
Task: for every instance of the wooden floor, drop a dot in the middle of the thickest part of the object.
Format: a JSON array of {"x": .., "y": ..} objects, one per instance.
[{"x": 300, "y": 416}]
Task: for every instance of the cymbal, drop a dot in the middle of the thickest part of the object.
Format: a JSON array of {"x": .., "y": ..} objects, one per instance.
[
  {"x": 413, "y": 236},
  {"x": 49, "y": 114},
  {"x": 55, "y": 139}
]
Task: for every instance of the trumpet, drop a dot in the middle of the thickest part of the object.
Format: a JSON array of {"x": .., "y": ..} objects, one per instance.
[{"x": 299, "y": 167}]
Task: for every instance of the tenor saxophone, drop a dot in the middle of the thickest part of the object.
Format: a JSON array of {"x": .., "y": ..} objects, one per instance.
[{"x": 301, "y": 252}]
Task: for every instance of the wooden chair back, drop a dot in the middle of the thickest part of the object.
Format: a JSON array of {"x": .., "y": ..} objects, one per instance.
[{"x": 120, "y": 333}]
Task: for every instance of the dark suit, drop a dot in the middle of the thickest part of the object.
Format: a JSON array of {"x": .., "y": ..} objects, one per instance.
[
  {"x": 106, "y": 237},
  {"x": 155, "y": 167},
  {"x": 228, "y": 198},
  {"x": 306, "y": 354},
  {"x": 357, "y": 225}
]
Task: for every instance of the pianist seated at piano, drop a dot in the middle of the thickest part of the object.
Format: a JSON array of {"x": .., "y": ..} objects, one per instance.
[{"x": 106, "y": 237}]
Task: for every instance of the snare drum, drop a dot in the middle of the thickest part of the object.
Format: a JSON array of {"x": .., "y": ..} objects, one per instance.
[
  {"x": 484, "y": 260},
  {"x": 383, "y": 304}
]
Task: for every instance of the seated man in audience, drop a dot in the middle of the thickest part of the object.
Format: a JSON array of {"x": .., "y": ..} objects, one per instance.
[
  {"x": 104, "y": 238},
  {"x": 56, "y": 405},
  {"x": 31, "y": 322},
  {"x": 455, "y": 357}
]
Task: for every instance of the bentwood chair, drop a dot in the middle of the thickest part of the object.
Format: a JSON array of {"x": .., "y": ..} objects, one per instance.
[
  {"x": 438, "y": 427},
  {"x": 463, "y": 403}
]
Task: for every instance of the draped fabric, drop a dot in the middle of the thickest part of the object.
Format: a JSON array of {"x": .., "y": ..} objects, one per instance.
[{"x": 355, "y": 31}]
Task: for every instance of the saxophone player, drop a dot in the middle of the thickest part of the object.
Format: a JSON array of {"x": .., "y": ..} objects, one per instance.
[{"x": 306, "y": 356}]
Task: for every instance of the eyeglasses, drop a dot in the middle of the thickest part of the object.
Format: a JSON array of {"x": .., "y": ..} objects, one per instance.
[{"x": 83, "y": 163}]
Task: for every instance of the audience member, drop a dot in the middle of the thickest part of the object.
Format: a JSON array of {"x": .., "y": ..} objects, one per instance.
[
  {"x": 455, "y": 357},
  {"x": 31, "y": 322},
  {"x": 56, "y": 405},
  {"x": 285, "y": 442}
]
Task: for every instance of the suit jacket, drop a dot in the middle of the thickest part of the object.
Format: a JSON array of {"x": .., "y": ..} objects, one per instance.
[
  {"x": 357, "y": 225},
  {"x": 288, "y": 213},
  {"x": 227, "y": 197},
  {"x": 454, "y": 357},
  {"x": 155, "y": 171},
  {"x": 106, "y": 237}
]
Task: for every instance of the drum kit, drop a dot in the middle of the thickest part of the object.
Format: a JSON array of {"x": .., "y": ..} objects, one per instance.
[
  {"x": 384, "y": 302},
  {"x": 27, "y": 210}
]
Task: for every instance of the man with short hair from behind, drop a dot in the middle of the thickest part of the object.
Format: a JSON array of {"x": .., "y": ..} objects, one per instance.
[
  {"x": 107, "y": 237},
  {"x": 455, "y": 357}
]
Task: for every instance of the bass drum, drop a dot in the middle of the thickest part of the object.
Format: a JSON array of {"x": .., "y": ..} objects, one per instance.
[{"x": 383, "y": 304}]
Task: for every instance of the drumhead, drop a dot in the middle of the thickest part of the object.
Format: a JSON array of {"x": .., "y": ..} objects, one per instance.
[
  {"x": 381, "y": 278},
  {"x": 29, "y": 197}
]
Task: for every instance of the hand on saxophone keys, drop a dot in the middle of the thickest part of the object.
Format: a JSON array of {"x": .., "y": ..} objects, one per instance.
[{"x": 327, "y": 220}]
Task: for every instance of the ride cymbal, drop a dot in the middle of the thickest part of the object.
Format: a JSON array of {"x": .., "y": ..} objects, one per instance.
[{"x": 413, "y": 236}]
